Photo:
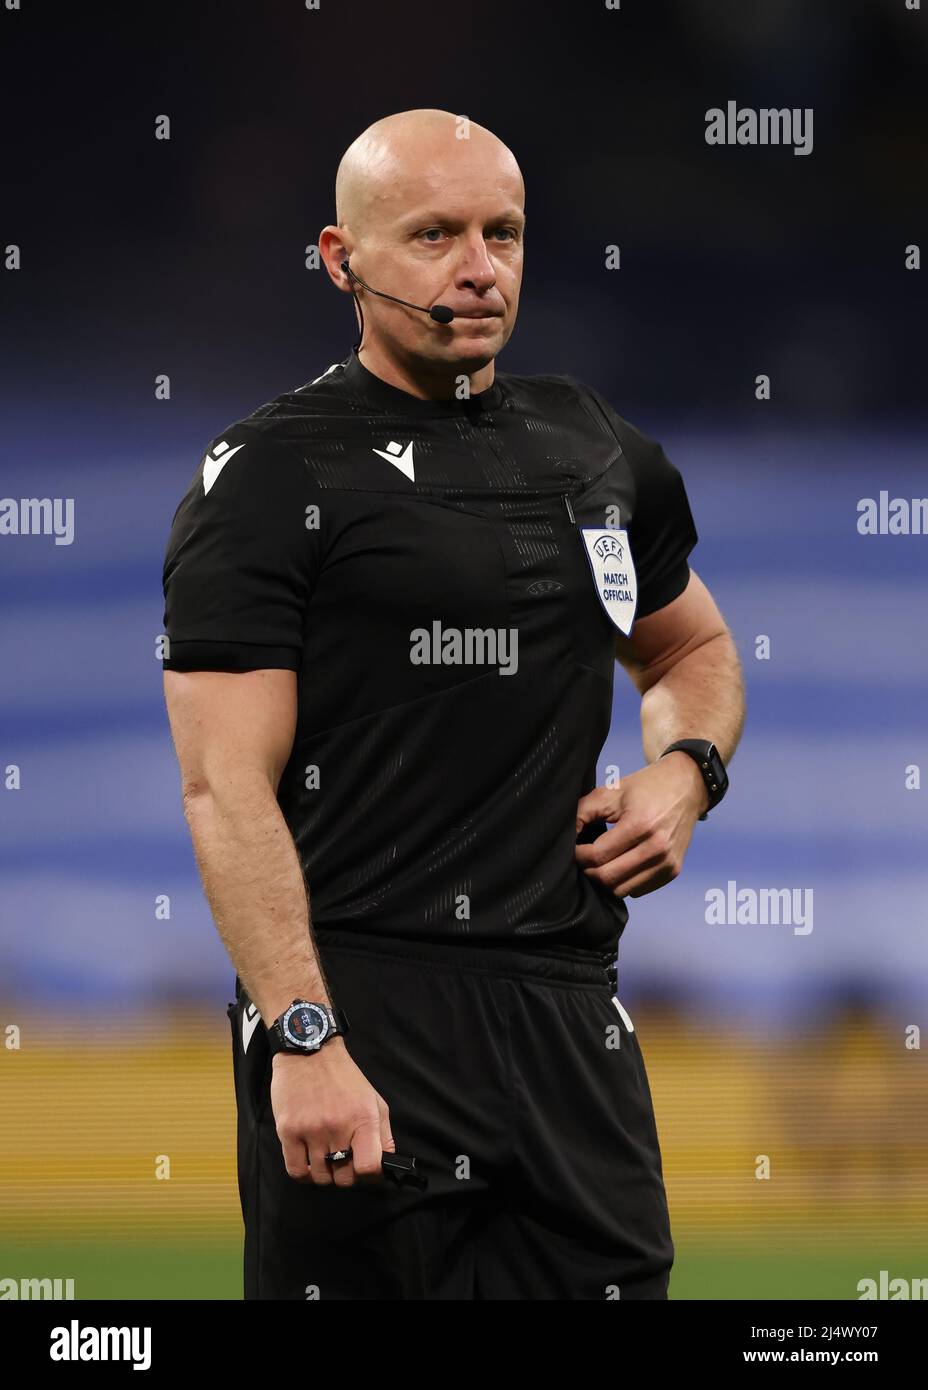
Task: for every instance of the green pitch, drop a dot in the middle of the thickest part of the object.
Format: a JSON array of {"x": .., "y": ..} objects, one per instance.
[{"x": 120, "y": 1271}]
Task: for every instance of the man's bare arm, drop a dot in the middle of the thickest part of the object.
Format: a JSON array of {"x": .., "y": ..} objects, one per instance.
[
  {"x": 233, "y": 733},
  {"x": 684, "y": 663}
]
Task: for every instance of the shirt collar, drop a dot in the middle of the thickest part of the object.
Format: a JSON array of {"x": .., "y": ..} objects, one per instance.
[{"x": 374, "y": 388}]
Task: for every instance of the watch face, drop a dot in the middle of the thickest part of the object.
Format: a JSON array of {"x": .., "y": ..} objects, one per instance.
[
  {"x": 718, "y": 767},
  {"x": 306, "y": 1025}
]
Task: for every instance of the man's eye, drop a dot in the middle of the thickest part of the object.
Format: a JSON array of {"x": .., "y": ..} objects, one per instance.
[
  {"x": 509, "y": 231},
  {"x": 429, "y": 230}
]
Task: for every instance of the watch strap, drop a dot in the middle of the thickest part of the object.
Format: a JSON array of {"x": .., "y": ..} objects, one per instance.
[{"x": 708, "y": 759}]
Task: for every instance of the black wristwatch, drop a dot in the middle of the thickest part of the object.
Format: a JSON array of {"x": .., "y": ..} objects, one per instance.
[
  {"x": 706, "y": 757},
  {"x": 304, "y": 1027}
]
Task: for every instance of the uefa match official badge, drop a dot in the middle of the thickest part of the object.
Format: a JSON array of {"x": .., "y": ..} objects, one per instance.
[{"x": 610, "y": 557}]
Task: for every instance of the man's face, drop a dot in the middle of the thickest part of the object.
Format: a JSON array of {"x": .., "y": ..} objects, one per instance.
[{"x": 449, "y": 231}]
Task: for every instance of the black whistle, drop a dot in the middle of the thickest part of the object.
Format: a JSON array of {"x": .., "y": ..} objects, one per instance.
[{"x": 400, "y": 1169}]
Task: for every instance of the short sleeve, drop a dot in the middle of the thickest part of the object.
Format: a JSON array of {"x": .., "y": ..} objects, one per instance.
[
  {"x": 662, "y": 531},
  {"x": 242, "y": 558}
]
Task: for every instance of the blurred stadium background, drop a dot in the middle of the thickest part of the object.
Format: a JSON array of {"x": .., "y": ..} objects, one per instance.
[{"x": 186, "y": 258}]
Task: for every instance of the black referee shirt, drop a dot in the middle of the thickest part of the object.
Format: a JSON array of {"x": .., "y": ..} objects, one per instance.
[{"x": 420, "y": 565}]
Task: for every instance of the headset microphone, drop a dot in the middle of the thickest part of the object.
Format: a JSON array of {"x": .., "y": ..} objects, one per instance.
[{"x": 439, "y": 312}]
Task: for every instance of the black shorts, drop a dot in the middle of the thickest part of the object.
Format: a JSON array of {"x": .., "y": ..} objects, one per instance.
[{"x": 514, "y": 1079}]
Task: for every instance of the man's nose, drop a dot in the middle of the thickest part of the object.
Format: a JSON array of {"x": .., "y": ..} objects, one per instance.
[{"x": 475, "y": 267}]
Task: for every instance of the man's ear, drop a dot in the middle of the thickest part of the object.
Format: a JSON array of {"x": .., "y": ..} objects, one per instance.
[{"x": 333, "y": 250}]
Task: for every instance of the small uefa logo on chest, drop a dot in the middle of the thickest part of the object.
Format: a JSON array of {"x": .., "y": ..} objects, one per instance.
[{"x": 540, "y": 588}]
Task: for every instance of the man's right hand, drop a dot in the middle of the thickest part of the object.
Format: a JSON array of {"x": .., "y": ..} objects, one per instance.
[{"x": 323, "y": 1102}]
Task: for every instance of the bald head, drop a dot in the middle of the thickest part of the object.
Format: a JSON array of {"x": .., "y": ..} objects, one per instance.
[
  {"x": 430, "y": 210},
  {"x": 409, "y": 154}
]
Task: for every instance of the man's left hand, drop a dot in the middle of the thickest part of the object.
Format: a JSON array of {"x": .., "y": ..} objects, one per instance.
[{"x": 654, "y": 811}]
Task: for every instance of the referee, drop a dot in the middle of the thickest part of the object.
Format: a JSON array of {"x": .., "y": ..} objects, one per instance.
[{"x": 394, "y": 599}]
